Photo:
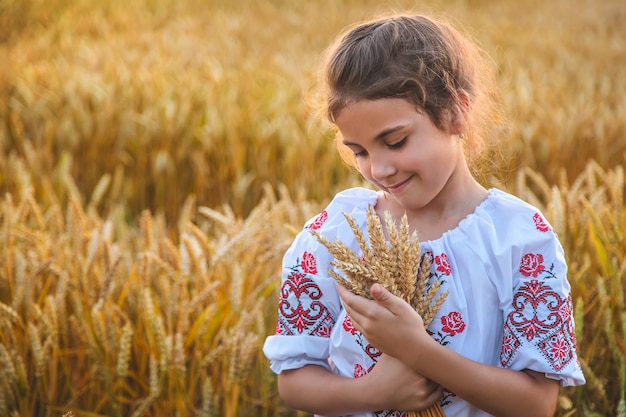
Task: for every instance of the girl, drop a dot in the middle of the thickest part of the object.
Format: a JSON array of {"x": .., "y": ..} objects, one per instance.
[{"x": 407, "y": 94}]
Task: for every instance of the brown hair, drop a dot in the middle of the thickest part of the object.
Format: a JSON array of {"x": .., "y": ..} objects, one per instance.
[{"x": 419, "y": 59}]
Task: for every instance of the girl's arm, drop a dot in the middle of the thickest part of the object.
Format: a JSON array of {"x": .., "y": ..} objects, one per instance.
[
  {"x": 395, "y": 328},
  {"x": 390, "y": 384}
]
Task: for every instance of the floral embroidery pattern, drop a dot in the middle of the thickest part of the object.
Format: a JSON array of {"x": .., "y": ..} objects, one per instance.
[
  {"x": 319, "y": 220},
  {"x": 510, "y": 345},
  {"x": 442, "y": 264},
  {"x": 453, "y": 323},
  {"x": 359, "y": 371},
  {"x": 536, "y": 308},
  {"x": 540, "y": 223},
  {"x": 559, "y": 347},
  {"x": 369, "y": 350},
  {"x": 541, "y": 316},
  {"x": 299, "y": 308},
  {"x": 348, "y": 326},
  {"x": 308, "y": 263},
  {"x": 532, "y": 265}
]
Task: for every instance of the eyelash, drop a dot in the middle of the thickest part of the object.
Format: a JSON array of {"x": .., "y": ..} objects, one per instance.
[{"x": 396, "y": 145}]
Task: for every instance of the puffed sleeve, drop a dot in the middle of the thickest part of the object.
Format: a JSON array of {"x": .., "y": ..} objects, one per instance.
[
  {"x": 309, "y": 304},
  {"x": 538, "y": 322}
]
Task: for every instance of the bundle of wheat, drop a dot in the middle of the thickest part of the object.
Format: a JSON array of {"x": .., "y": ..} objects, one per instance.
[{"x": 397, "y": 266}]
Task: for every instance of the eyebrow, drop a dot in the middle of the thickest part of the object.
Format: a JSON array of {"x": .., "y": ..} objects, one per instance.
[{"x": 379, "y": 136}]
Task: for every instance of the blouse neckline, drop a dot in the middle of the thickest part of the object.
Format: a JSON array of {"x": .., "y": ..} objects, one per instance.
[{"x": 462, "y": 225}]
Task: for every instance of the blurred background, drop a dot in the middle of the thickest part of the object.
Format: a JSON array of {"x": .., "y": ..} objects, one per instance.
[
  {"x": 157, "y": 156},
  {"x": 165, "y": 98}
]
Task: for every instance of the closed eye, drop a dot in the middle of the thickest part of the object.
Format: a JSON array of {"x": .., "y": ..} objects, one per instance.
[{"x": 399, "y": 144}]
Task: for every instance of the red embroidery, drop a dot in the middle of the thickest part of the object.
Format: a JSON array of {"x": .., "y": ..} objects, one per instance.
[
  {"x": 299, "y": 308},
  {"x": 319, "y": 220},
  {"x": 325, "y": 327},
  {"x": 536, "y": 309},
  {"x": 539, "y": 310},
  {"x": 532, "y": 264},
  {"x": 391, "y": 413},
  {"x": 453, "y": 323},
  {"x": 510, "y": 345},
  {"x": 369, "y": 350},
  {"x": 540, "y": 223},
  {"x": 559, "y": 347},
  {"x": 308, "y": 263},
  {"x": 348, "y": 326},
  {"x": 372, "y": 352},
  {"x": 359, "y": 371},
  {"x": 442, "y": 263},
  {"x": 566, "y": 309}
]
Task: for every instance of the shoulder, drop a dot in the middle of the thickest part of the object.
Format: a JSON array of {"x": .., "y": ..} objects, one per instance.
[
  {"x": 505, "y": 202},
  {"x": 504, "y": 229},
  {"x": 523, "y": 238},
  {"x": 511, "y": 215},
  {"x": 330, "y": 223},
  {"x": 353, "y": 200}
]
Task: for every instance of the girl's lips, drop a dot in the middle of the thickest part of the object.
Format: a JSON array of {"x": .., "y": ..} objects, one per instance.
[{"x": 398, "y": 187}]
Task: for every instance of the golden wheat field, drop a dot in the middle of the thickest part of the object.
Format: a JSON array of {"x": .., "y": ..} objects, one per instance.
[{"x": 159, "y": 155}]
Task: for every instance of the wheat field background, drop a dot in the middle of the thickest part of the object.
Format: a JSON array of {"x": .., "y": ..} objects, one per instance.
[{"x": 157, "y": 157}]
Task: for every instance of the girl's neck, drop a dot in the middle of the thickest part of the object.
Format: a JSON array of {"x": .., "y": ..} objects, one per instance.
[{"x": 443, "y": 213}]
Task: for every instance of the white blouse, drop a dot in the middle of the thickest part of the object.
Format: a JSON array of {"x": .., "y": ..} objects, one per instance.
[{"x": 508, "y": 303}]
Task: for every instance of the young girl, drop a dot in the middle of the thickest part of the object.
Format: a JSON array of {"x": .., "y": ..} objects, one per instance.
[{"x": 406, "y": 93}]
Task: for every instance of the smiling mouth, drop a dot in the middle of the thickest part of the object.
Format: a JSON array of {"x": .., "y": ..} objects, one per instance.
[{"x": 398, "y": 186}]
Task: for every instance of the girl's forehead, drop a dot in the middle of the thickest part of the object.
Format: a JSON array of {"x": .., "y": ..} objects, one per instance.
[
  {"x": 374, "y": 119},
  {"x": 377, "y": 108}
]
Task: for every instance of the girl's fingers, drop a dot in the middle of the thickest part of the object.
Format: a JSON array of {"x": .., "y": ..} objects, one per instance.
[
  {"x": 386, "y": 299},
  {"x": 381, "y": 296},
  {"x": 356, "y": 307},
  {"x": 349, "y": 299}
]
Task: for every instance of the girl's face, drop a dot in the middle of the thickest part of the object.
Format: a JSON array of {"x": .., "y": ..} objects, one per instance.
[{"x": 402, "y": 152}]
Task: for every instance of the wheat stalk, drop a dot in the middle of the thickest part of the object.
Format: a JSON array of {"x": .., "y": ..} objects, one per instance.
[{"x": 396, "y": 265}]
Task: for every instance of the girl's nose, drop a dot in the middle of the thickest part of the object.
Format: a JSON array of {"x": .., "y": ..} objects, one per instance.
[{"x": 381, "y": 168}]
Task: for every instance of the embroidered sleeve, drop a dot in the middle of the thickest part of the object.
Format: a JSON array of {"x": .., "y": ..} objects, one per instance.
[
  {"x": 301, "y": 308},
  {"x": 308, "y": 304},
  {"x": 539, "y": 327}
]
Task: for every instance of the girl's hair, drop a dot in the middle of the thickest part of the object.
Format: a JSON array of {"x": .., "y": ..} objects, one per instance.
[{"x": 419, "y": 59}]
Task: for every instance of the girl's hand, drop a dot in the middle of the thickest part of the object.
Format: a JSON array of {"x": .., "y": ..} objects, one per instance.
[
  {"x": 392, "y": 326},
  {"x": 387, "y": 322},
  {"x": 400, "y": 388}
]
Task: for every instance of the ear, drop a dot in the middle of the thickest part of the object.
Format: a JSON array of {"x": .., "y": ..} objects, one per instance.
[{"x": 460, "y": 112}]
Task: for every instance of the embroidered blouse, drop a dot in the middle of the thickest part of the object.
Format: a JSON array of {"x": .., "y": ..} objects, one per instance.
[{"x": 509, "y": 302}]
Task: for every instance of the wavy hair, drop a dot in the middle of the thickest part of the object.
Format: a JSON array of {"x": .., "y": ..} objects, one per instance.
[{"x": 419, "y": 59}]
